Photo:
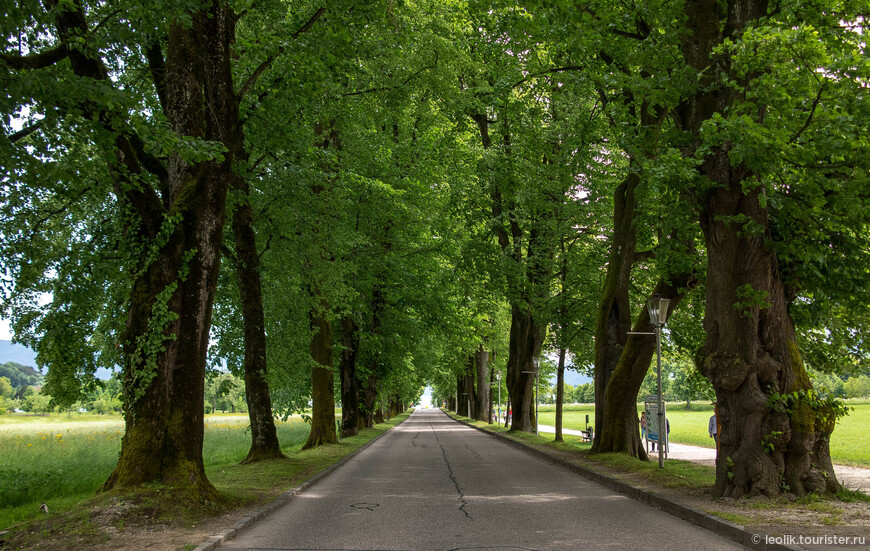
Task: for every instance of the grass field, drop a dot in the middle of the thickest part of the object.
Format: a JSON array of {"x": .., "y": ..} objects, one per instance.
[
  {"x": 60, "y": 460},
  {"x": 849, "y": 443}
]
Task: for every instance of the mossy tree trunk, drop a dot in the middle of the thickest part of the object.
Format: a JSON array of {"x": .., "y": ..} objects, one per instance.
[
  {"x": 169, "y": 319},
  {"x": 620, "y": 430},
  {"x": 525, "y": 342},
  {"x": 613, "y": 321},
  {"x": 750, "y": 353}
]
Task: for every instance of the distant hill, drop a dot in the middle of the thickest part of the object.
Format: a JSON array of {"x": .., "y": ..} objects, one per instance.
[
  {"x": 17, "y": 353},
  {"x": 22, "y": 355},
  {"x": 573, "y": 378},
  {"x": 21, "y": 376}
]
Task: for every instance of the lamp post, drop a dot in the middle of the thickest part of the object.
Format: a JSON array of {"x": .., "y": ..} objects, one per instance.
[
  {"x": 658, "y": 313},
  {"x": 536, "y": 361}
]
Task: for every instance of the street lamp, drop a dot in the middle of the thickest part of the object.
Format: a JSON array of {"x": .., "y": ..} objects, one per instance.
[
  {"x": 658, "y": 313},
  {"x": 536, "y": 361}
]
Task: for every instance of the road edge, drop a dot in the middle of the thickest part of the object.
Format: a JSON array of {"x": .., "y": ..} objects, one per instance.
[
  {"x": 734, "y": 532},
  {"x": 214, "y": 541}
]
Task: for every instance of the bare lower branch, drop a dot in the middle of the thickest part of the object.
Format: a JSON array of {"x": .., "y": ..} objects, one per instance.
[{"x": 271, "y": 59}]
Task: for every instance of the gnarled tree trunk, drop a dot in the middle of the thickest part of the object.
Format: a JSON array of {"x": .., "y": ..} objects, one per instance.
[
  {"x": 768, "y": 444},
  {"x": 620, "y": 428}
]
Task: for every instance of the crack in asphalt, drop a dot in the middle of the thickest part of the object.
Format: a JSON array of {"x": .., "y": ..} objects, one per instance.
[{"x": 451, "y": 475}]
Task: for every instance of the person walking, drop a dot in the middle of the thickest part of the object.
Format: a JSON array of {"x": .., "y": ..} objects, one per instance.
[
  {"x": 712, "y": 427},
  {"x": 642, "y": 425}
]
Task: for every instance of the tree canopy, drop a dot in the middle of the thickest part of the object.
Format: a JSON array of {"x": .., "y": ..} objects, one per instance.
[{"x": 371, "y": 198}]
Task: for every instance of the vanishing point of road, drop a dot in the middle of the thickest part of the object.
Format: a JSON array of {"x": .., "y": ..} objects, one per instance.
[{"x": 432, "y": 483}]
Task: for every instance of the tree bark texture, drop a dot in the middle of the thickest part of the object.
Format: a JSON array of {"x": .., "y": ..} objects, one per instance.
[
  {"x": 322, "y": 384},
  {"x": 350, "y": 388},
  {"x": 482, "y": 409},
  {"x": 750, "y": 353},
  {"x": 620, "y": 430},
  {"x": 525, "y": 342},
  {"x": 169, "y": 319},
  {"x": 264, "y": 437},
  {"x": 613, "y": 320}
]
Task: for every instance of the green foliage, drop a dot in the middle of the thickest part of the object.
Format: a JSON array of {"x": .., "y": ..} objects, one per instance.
[
  {"x": 749, "y": 300},
  {"x": 828, "y": 407}
]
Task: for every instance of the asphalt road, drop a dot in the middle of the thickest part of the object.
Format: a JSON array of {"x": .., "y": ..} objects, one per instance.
[{"x": 434, "y": 484}]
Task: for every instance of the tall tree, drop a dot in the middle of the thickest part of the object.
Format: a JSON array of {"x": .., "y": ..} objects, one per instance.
[
  {"x": 775, "y": 429},
  {"x": 175, "y": 206}
]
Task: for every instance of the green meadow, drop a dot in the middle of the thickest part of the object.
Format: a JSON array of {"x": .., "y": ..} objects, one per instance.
[
  {"x": 60, "y": 460},
  {"x": 849, "y": 443}
]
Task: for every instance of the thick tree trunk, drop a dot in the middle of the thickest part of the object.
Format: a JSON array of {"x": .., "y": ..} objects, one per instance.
[
  {"x": 771, "y": 440},
  {"x": 322, "y": 385},
  {"x": 168, "y": 325},
  {"x": 482, "y": 409},
  {"x": 560, "y": 393},
  {"x": 350, "y": 388},
  {"x": 525, "y": 343},
  {"x": 614, "y": 313},
  {"x": 751, "y": 356},
  {"x": 264, "y": 437},
  {"x": 620, "y": 429},
  {"x": 369, "y": 402}
]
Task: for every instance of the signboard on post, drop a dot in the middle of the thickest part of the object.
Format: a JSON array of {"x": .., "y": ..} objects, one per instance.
[{"x": 653, "y": 430}]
